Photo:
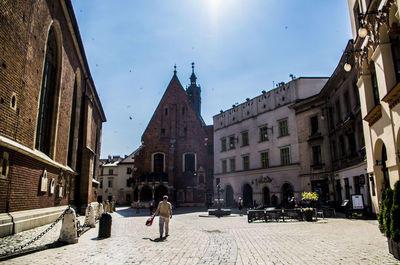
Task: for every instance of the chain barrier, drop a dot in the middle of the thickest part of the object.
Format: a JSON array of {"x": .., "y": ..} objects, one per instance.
[
  {"x": 8, "y": 252},
  {"x": 81, "y": 228}
]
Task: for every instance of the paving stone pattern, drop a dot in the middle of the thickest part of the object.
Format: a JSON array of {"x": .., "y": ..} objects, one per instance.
[{"x": 196, "y": 239}]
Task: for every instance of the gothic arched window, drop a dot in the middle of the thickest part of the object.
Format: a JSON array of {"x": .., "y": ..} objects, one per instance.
[
  {"x": 158, "y": 161},
  {"x": 189, "y": 162},
  {"x": 72, "y": 124},
  {"x": 47, "y": 113}
]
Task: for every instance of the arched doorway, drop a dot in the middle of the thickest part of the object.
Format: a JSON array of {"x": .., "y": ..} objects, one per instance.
[
  {"x": 159, "y": 193},
  {"x": 287, "y": 193},
  {"x": 247, "y": 195},
  {"x": 145, "y": 194},
  {"x": 229, "y": 196},
  {"x": 266, "y": 196}
]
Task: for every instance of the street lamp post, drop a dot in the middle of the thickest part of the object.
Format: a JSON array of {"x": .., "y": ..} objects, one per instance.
[{"x": 219, "y": 190}]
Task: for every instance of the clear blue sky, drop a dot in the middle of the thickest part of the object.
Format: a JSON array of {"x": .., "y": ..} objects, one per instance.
[{"x": 240, "y": 47}]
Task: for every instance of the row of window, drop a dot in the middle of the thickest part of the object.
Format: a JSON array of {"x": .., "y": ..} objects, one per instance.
[
  {"x": 228, "y": 143},
  {"x": 339, "y": 149},
  {"x": 358, "y": 181},
  {"x": 337, "y": 107},
  {"x": 264, "y": 157},
  {"x": 111, "y": 171},
  {"x": 189, "y": 162}
]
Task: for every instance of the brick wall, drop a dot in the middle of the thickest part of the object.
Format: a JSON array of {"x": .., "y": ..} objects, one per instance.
[
  {"x": 24, "y": 27},
  {"x": 21, "y": 191}
]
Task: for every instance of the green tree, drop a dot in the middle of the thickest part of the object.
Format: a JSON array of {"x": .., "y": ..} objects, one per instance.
[
  {"x": 381, "y": 210},
  {"x": 395, "y": 214},
  {"x": 387, "y": 207}
]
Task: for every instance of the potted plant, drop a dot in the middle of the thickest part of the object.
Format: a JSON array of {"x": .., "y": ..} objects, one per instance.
[
  {"x": 394, "y": 227},
  {"x": 310, "y": 198}
]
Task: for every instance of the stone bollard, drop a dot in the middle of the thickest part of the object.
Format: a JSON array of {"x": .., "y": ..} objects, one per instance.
[
  {"x": 68, "y": 233},
  {"x": 111, "y": 205},
  {"x": 91, "y": 219},
  {"x": 107, "y": 206},
  {"x": 100, "y": 210}
]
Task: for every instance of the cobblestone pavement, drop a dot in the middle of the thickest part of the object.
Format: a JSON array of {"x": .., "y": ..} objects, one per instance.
[{"x": 198, "y": 239}]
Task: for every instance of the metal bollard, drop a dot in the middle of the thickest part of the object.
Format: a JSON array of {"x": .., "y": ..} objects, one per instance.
[
  {"x": 68, "y": 233},
  {"x": 105, "y": 225},
  {"x": 91, "y": 219}
]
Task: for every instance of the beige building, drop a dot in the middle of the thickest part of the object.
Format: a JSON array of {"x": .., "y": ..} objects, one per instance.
[
  {"x": 313, "y": 142},
  {"x": 115, "y": 179},
  {"x": 377, "y": 59},
  {"x": 256, "y": 154},
  {"x": 331, "y": 138}
]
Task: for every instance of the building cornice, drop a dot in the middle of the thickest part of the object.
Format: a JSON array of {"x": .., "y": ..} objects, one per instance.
[
  {"x": 35, "y": 154},
  {"x": 374, "y": 115},
  {"x": 393, "y": 96}
]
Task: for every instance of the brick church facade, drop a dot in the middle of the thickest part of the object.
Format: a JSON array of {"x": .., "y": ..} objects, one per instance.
[
  {"x": 176, "y": 156},
  {"x": 51, "y": 116}
]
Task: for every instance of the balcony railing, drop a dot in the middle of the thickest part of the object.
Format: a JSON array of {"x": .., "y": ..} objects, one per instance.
[{"x": 153, "y": 177}]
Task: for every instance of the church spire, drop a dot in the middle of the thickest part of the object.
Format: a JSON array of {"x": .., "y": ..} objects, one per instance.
[
  {"x": 193, "y": 92},
  {"x": 175, "y": 69},
  {"x": 193, "y": 76}
]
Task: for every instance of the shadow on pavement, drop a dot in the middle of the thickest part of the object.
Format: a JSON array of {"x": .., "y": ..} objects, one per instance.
[
  {"x": 156, "y": 239},
  {"x": 131, "y": 212},
  {"x": 99, "y": 238}
]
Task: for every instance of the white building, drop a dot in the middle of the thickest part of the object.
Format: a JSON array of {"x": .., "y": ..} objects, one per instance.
[
  {"x": 256, "y": 145},
  {"x": 116, "y": 180}
]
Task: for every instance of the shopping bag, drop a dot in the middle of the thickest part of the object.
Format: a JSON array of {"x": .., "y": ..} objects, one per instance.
[{"x": 149, "y": 221}]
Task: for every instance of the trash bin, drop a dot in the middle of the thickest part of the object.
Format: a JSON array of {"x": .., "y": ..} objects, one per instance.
[{"x": 105, "y": 225}]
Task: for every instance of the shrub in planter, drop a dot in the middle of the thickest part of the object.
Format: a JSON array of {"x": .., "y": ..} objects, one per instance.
[
  {"x": 310, "y": 198},
  {"x": 386, "y": 209},
  {"x": 384, "y": 215},
  {"x": 381, "y": 210},
  {"x": 395, "y": 221}
]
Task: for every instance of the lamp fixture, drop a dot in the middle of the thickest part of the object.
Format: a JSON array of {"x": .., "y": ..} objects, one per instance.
[
  {"x": 347, "y": 66},
  {"x": 363, "y": 31}
]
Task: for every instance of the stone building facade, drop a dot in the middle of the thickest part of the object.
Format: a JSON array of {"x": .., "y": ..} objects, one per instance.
[
  {"x": 331, "y": 138},
  {"x": 376, "y": 34},
  {"x": 51, "y": 115},
  {"x": 176, "y": 156},
  {"x": 115, "y": 177},
  {"x": 256, "y": 152}
]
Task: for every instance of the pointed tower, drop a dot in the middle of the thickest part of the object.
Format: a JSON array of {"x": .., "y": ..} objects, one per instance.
[
  {"x": 193, "y": 93},
  {"x": 176, "y": 153}
]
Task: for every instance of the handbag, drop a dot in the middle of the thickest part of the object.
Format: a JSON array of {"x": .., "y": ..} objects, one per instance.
[{"x": 149, "y": 221}]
